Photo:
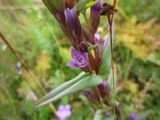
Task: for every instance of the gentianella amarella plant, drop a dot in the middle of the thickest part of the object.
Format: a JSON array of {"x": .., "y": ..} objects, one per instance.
[{"x": 91, "y": 52}]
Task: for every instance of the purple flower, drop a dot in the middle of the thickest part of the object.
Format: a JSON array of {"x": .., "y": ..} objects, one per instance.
[
  {"x": 79, "y": 59},
  {"x": 18, "y": 68},
  {"x": 73, "y": 26},
  {"x": 64, "y": 111},
  {"x": 95, "y": 15},
  {"x": 101, "y": 42},
  {"x": 93, "y": 95},
  {"x": 132, "y": 116},
  {"x": 88, "y": 95},
  {"x": 96, "y": 37},
  {"x": 104, "y": 89}
]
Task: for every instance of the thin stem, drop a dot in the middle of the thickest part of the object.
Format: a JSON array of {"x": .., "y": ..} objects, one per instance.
[
  {"x": 110, "y": 21},
  {"x": 114, "y": 3},
  {"x": 43, "y": 92}
]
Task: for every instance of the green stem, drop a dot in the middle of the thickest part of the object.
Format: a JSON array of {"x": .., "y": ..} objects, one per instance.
[{"x": 110, "y": 21}]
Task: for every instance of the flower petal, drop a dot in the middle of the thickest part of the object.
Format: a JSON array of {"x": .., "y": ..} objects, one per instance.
[
  {"x": 72, "y": 64},
  {"x": 75, "y": 53}
]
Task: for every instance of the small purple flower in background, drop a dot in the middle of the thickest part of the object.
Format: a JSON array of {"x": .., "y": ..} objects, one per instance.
[
  {"x": 64, "y": 111},
  {"x": 132, "y": 116},
  {"x": 79, "y": 59},
  {"x": 18, "y": 68}
]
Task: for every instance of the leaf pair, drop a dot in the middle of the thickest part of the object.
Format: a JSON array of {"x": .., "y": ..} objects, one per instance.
[{"x": 81, "y": 82}]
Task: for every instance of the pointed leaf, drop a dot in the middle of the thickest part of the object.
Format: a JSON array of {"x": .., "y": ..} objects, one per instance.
[
  {"x": 59, "y": 89},
  {"x": 84, "y": 4},
  {"x": 106, "y": 58},
  {"x": 85, "y": 82}
]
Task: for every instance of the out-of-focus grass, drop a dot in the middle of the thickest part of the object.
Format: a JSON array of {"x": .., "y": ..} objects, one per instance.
[{"x": 36, "y": 36}]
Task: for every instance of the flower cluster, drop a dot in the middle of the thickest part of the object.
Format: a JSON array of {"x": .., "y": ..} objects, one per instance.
[
  {"x": 100, "y": 96},
  {"x": 87, "y": 44}
]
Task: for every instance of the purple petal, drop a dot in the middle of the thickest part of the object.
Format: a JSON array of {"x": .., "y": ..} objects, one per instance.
[
  {"x": 97, "y": 6},
  {"x": 74, "y": 53},
  {"x": 96, "y": 37},
  {"x": 63, "y": 112},
  {"x": 18, "y": 68},
  {"x": 61, "y": 107},
  {"x": 70, "y": 17},
  {"x": 73, "y": 24},
  {"x": 81, "y": 61},
  {"x": 88, "y": 95},
  {"x": 132, "y": 116},
  {"x": 67, "y": 107},
  {"x": 72, "y": 64},
  {"x": 104, "y": 89},
  {"x": 105, "y": 39},
  {"x": 95, "y": 15}
]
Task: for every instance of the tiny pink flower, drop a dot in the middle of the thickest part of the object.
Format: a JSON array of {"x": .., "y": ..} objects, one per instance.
[{"x": 64, "y": 111}]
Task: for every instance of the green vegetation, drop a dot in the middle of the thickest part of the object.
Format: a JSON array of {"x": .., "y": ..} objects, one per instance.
[{"x": 37, "y": 37}]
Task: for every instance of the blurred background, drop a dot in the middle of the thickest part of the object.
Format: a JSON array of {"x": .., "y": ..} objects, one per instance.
[{"x": 36, "y": 36}]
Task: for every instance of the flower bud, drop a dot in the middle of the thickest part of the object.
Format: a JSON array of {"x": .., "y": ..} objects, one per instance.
[
  {"x": 95, "y": 15},
  {"x": 104, "y": 91},
  {"x": 73, "y": 25}
]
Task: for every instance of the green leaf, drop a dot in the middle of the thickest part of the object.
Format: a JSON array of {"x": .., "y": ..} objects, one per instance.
[
  {"x": 59, "y": 89},
  {"x": 144, "y": 115},
  {"x": 70, "y": 87},
  {"x": 154, "y": 58},
  {"x": 99, "y": 115},
  {"x": 110, "y": 81},
  {"x": 84, "y": 4},
  {"x": 54, "y": 5},
  {"x": 106, "y": 58}
]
